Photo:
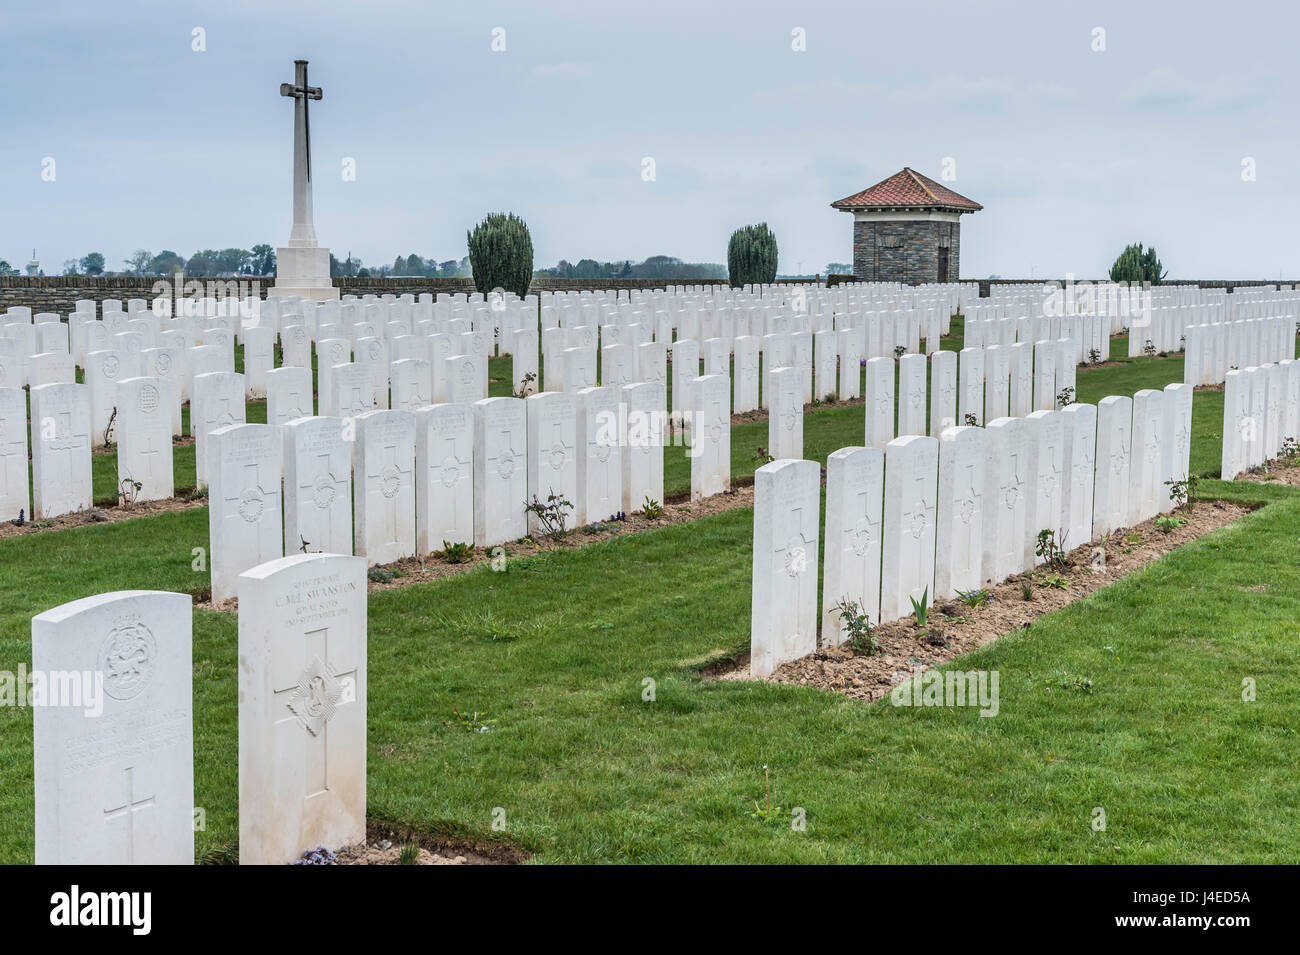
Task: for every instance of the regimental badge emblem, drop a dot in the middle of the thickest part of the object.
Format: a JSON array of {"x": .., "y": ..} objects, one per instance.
[
  {"x": 127, "y": 658},
  {"x": 317, "y": 697},
  {"x": 148, "y": 401}
]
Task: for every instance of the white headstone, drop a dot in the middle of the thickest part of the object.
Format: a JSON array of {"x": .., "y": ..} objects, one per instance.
[
  {"x": 1146, "y": 458},
  {"x": 317, "y": 485},
  {"x": 302, "y": 707},
  {"x": 643, "y": 445},
  {"x": 959, "y": 525},
  {"x": 855, "y": 487},
  {"x": 384, "y": 481},
  {"x": 879, "y": 402},
  {"x": 911, "y": 497},
  {"x": 912, "y": 370},
  {"x": 500, "y": 471},
  {"x": 217, "y": 401},
  {"x": 15, "y": 497},
  {"x": 943, "y": 392},
  {"x": 61, "y": 474},
  {"x": 1177, "y": 435},
  {"x": 553, "y": 454},
  {"x": 1047, "y": 440},
  {"x": 244, "y": 521},
  {"x": 600, "y": 466},
  {"x": 1079, "y": 437},
  {"x": 970, "y": 401},
  {"x": 288, "y": 395},
  {"x": 783, "y": 616},
  {"x": 785, "y": 413},
  {"x": 746, "y": 363},
  {"x": 1111, "y": 477},
  {"x": 144, "y": 439},
  {"x": 115, "y": 781},
  {"x": 444, "y": 470},
  {"x": 1010, "y": 488},
  {"x": 711, "y": 436},
  {"x": 850, "y": 346}
]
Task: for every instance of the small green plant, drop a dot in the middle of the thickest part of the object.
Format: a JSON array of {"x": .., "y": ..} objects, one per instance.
[
  {"x": 527, "y": 386},
  {"x": 1052, "y": 553},
  {"x": 1183, "y": 493},
  {"x": 975, "y": 598},
  {"x": 857, "y": 628},
  {"x": 1290, "y": 450},
  {"x": 921, "y": 608},
  {"x": 1168, "y": 523},
  {"x": 1053, "y": 582},
  {"x": 969, "y": 419},
  {"x": 379, "y": 575},
  {"x": 553, "y": 515},
  {"x": 454, "y": 552},
  {"x": 1094, "y": 356},
  {"x": 475, "y": 722},
  {"x": 1026, "y": 590},
  {"x": 410, "y": 852},
  {"x": 1149, "y": 349},
  {"x": 652, "y": 510},
  {"x": 1065, "y": 397},
  {"x": 128, "y": 492},
  {"x": 900, "y": 351},
  {"x": 1070, "y": 681},
  {"x": 762, "y": 457},
  {"x": 831, "y": 397}
]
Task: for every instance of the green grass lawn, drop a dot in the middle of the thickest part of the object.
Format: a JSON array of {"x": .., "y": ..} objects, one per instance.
[{"x": 556, "y": 652}]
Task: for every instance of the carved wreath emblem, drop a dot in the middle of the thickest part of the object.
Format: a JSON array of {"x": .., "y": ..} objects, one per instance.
[
  {"x": 251, "y": 505},
  {"x": 450, "y": 471},
  {"x": 324, "y": 491}
]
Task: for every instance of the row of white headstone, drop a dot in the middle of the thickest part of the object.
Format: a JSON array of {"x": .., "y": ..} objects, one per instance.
[
  {"x": 1261, "y": 415},
  {"x": 390, "y": 484},
  {"x": 60, "y": 443},
  {"x": 1214, "y": 350},
  {"x": 113, "y": 720},
  {"x": 924, "y": 517}
]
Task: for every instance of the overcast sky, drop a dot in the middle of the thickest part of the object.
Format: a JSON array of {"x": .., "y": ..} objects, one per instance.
[{"x": 1072, "y": 152}]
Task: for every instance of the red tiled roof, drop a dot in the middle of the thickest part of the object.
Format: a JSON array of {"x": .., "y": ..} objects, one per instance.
[{"x": 907, "y": 189}]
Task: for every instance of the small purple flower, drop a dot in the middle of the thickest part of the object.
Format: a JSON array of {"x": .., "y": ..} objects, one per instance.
[{"x": 318, "y": 856}]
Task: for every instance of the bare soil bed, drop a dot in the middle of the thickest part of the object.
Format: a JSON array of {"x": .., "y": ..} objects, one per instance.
[
  {"x": 955, "y": 629},
  {"x": 383, "y": 846},
  {"x": 413, "y": 570},
  {"x": 1279, "y": 472},
  {"x": 98, "y": 515}
]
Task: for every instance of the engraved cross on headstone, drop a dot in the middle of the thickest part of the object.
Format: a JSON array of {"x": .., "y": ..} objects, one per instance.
[
  {"x": 128, "y": 809},
  {"x": 310, "y": 697}
]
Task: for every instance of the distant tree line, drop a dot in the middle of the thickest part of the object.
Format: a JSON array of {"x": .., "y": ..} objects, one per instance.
[
  {"x": 260, "y": 261},
  {"x": 655, "y": 267}
]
